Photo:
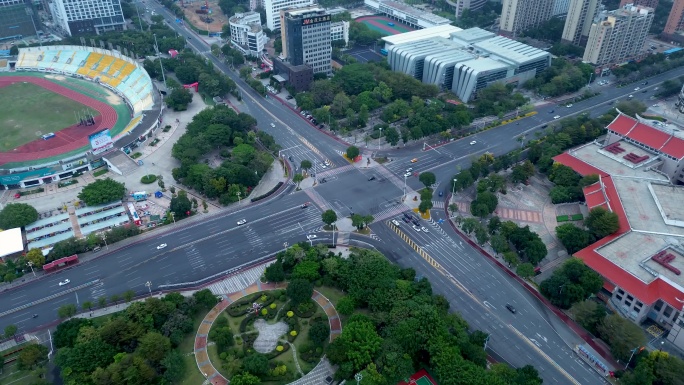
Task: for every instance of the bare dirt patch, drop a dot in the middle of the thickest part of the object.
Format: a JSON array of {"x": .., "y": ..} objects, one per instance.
[{"x": 218, "y": 19}]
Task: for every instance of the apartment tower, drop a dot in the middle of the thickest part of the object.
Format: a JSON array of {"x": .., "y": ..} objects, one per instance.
[
  {"x": 88, "y": 17},
  {"x": 581, "y": 14},
  {"x": 675, "y": 22},
  {"x": 520, "y": 15}
]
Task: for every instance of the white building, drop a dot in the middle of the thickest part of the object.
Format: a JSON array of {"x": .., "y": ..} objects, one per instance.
[
  {"x": 87, "y": 17},
  {"x": 581, "y": 14},
  {"x": 273, "y": 8},
  {"x": 618, "y": 35},
  {"x": 444, "y": 31},
  {"x": 468, "y": 61},
  {"x": 407, "y": 14},
  {"x": 520, "y": 15},
  {"x": 246, "y": 33},
  {"x": 339, "y": 30}
]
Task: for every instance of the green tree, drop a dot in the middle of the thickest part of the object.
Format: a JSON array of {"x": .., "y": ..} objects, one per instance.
[
  {"x": 589, "y": 314},
  {"x": 275, "y": 272},
  {"x": 319, "y": 333},
  {"x": 17, "y": 215},
  {"x": 102, "y": 301},
  {"x": 308, "y": 270},
  {"x": 102, "y": 191},
  {"x": 66, "y": 311},
  {"x": 256, "y": 364},
  {"x": 154, "y": 347},
  {"x": 346, "y": 305},
  {"x": 174, "y": 367},
  {"x": 10, "y": 331},
  {"x": 352, "y": 152},
  {"x": 87, "y": 305},
  {"x": 223, "y": 337},
  {"x": 181, "y": 205},
  {"x": 621, "y": 334},
  {"x": 245, "y": 379},
  {"x": 357, "y": 221},
  {"x": 525, "y": 270},
  {"x": 357, "y": 345},
  {"x": 128, "y": 295},
  {"x": 573, "y": 238},
  {"x": 31, "y": 356},
  {"x": 573, "y": 282},
  {"x": 427, "y": 178},
  {"x": 329, "y": 217},
  {"x": 205, "y": 298},
  {"x": 299, "y": 291},
  {"x": 298, "y": 178},
  {"x": 602, "y": 222},
  {"x": 424, "y": 206},
  {"x": 179, "y": 98},
  {"x": 306, "y": 165}
]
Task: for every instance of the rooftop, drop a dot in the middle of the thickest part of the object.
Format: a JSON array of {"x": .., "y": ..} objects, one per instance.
[
  {"x": 11, "y": 242},
  {"x": 659, "y": 140},
  {"x": 415, "y": 12},
  {"x": 472, "y": 35},
  {"x": 511, "y": 49},
  {"x": 439, "y": 31},
  {"x": 482, "y": 64},
  {"x": 246, "y": 18}
]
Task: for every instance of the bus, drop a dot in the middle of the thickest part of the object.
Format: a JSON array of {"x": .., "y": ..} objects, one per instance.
[{"x": 60, "y": 263}]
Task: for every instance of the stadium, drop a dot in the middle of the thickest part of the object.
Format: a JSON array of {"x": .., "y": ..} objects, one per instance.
[{"x": 65, "y": 110}]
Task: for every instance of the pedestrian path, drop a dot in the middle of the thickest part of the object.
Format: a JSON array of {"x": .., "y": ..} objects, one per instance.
[
  {"x": 437, "y": 204},
  {"x": 204, "y": 364},
  {"x": 390, "y": 212},
  {"x": 519, "y": 215},
  {"x": 335, "y": 171},
  {"x": 238, "y": 282},
  {"x": 317, "y": 199}
]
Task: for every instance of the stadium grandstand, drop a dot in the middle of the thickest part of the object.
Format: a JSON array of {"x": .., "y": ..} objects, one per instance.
[{"x": 121, "y": 74}]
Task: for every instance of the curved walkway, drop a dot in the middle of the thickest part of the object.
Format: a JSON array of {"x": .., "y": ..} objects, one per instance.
[{"x": 201, "y": 356}]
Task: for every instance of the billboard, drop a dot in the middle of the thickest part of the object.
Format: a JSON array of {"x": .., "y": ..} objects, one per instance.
[
  {"x": 101, "y": 141},
  {"x": 315, "y": 19}
]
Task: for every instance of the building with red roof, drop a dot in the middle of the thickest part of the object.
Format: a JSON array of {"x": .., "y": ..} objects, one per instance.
[{"x": 640, "y": 176}]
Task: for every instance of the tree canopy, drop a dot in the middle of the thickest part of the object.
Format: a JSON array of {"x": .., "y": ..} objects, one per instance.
[
  {"x": 17, "y": 215},
  {"x": 102, "y": 191},
  {"x": 602, "y": 222},
  {"x": 572, "y": 283}
]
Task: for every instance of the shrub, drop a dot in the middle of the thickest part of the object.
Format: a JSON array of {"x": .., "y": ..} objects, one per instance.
[
  {"x": 264, "y": 196},
  {"x": 273, "y": 306},
  {"x": 100, "y": 172},
  {"x": 279, "y": 348},
  {"x": 264, "y": 311},
  {"x": 562, "y": 218},
  {"x": 136, "y": 155},
  {"x": 577, "y": 217},
  {"x": 293, "y": 333},
  {"x": 147, "y": 179},
  {"x": 290, "y": 314}
]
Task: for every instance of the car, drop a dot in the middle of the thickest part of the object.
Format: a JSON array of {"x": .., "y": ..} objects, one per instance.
[
  {"x": 290, "y": 158},
  {"x": 327, "y": 162},
  {"x": 407, "y": 215},
  {"x": 65, "y": 282},
  {"x": 320, "y": 126},
  {"x": 644, "y": 91},
  {"x": 305, "y": 205},
  {"x": 314, "y": 121},
  {"x": 241, "y": 222},
  {"x": 557, "y": 117},
  {"x": 416, "y": 228},
  {"x": 552, "y": 111},
  {"x": 415, "y": 222},
  {"x": 637, "y": 89},
  {"x": 96, "y": 249},
  {"x": 409, "y": 169},
  {"x": 473, "y": 142},
  {"x": 289, "y": 97},
  {"x": 311, "y": 236},
  {"x": 272, "y": 125},
  {"x": 656, "y": 105},
  {"x": 569, "y": 105},
  {"x": 544, "y": 126},
  {"x": 631, "y": 96},
  {"x": 510, "y": 308},
  {"x": 441, "y": 193},
  {"x": 408, "y": 174},
  {"x": 323, "y": 166},
  {"x": 323, "y": 180},
  {"x": 414, "y": 160},
  {"x": 644, "y": 83},
  {"x": 425, "y": 230},
  {"x": 163, "y": 245},
  {"x": 655, "y": 89},
  {"x": 371, "y": 178},
  {"x": 406, "y": 219},
  {"x": 396, "y": 223}
]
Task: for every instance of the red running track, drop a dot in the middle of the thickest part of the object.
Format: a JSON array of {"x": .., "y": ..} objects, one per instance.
[{"x": 67, "y": 139}]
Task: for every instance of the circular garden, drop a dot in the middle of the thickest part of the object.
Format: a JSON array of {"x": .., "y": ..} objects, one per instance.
[{"x": 253, "y": 338}]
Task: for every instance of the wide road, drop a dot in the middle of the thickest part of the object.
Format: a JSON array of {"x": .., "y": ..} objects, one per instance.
[{"x": 200, "y": 250}]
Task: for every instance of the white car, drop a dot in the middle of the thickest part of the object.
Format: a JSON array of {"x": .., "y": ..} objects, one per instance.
[
  {"x": 473, "y": 142},
  {"x": 409, "y": 169},
  {"x": 323, "y": 166},
  {"x": 241, "y": 222},
  {"x": 416, "y": 228},
  {"x": 327, "y": 162},
  {"x": 408, "y": 174},
  {"x": 557, "y": 117},
  {"x": 163, "y": 245},
  {"x": 656, "y": 105},
  {"x": 65, "y": 282},
  {"x": 396, "y": 223},
  {"x": 311, "y": 236},
  {"x": 569, "y": 105},
  {"x": 272, "y": 125},
  {"x": 637, "y": 89},
  {"x": 424, "y": 229}
]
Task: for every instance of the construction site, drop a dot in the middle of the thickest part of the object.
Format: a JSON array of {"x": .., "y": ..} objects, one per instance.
[{"x": 204, "y": 15}]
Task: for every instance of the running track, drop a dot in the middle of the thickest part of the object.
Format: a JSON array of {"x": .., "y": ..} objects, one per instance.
[{"x": 67, "y": 139}]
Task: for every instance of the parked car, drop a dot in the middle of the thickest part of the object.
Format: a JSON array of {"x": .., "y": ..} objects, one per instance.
[
  {"x": 416, "y": 228},
  {"x": 396, "y": 223}
]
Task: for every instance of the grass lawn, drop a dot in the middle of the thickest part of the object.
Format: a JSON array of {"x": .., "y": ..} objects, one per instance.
[
  {"x": 19, "y": 122},
  {"x": 333, "y": 294},
  {"x": 192, "y": 373},
  {"x": 303, "y": 338},
  {"x": 12, "y": 375}
]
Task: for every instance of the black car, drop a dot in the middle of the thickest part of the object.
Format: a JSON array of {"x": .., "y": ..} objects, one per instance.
[
  {"x": 405, "y": 219},
  {"x": 510, "y": 308},
  {"x": 288, "y": 97},
  {"x": 441, "y": 193},
  {"x": 323, "y": 180},
  {"x": 415, "y": 222},
  {"x": 644, "y": 91},
  {"x": 371, "y": 178},
  {"x": 407, "y": 215},
  {"x": 290, "y": 158},
  {"x": 314, "y": 121},
  {"x": 320, "y": 126}
]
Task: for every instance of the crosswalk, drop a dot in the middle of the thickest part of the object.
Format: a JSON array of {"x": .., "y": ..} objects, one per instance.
[
  {"x": 438, "y": 204},
  {"x": 335, "y": 171},
  {"x": 195, "y": 258},
  {"x": 317, "y": 198},
  {"x": 252, "y": 237},
  {"x": 239, "y": 281},
  {"x": 387, "y": 174},
  {"x": 390, "y": 212},
  {"x": 97, "y": 291}
]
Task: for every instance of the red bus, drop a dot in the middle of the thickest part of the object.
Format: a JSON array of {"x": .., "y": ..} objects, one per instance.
[{"x": 60, "y": 263}]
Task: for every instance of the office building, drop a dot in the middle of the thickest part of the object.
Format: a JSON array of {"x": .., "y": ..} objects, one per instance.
[
  {"x": 640, "y": 174},
  {"x": 618, "y": 35},
  {"x": 339, "y": 31},
  {"x": 18, "y": 18},
  {"x": 273, "y": 8},
  {"x": 646, "y": 3},
  {"x": 675, "y": 22},
  {"x": 306, "y": 38},
  {"x": 560, "y": 8},
  {"x": 87, "y": 17},
  {"x": 520, "y": 15},
  {"x": 406, "y": 14},
  {"x": 246, "y": 33},
  {"x": 468, "y": 61},
  {"x": 473, "y": 5},
  {"x": 580, "y": 17}
]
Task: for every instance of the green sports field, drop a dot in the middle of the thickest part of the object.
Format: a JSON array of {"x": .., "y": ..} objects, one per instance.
[{"x": 27, "y": 109}]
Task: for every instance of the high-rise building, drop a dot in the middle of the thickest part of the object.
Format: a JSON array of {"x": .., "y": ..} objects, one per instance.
[
  {"x": 16, "y": 18},
  {"x": 87, "y": 17},
  {"x": 519, "y": 15},
  {"x": 273, "y": 8},
  {"x": 560, "y": 8},
  {"x": 675, "y": 22},
  {"x": 618, "y": 35},
  {"x": 472, "y": 5},
  {"x": 246, "y": 33},
  {"x": 581, "y": 14},
  {"x": 306, "y": 38},
  {"x": 646, "y": 3}
]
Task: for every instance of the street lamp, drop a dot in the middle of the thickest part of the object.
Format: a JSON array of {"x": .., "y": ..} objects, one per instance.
[
  {"x": 403, "y": 198},
  {"x": 156, "y": 48},
  {"x": 238, "y": 195},
  {"x": 149, "y": 286},
  {"x": 379, "y": 138},
  {"x": 630, "y": 357},
  {"x": 358, "y": 377},
  {"x": 486, "y": 341},
  {"x": 30, "y": 264},
  {"x": 285, "y": 245},
  {"x": 453, "y": 189},
  {"x": 104, "y": 238}
]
